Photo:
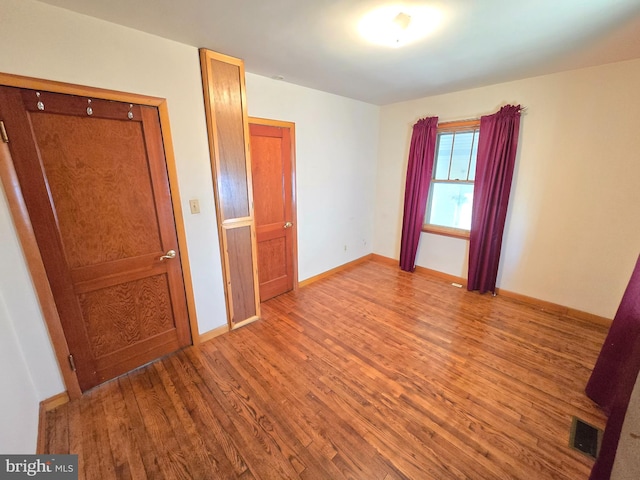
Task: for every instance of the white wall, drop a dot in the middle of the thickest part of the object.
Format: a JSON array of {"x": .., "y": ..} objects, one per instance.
[
  {"x": 572, "y": 235},
  {"x": 336, "y": 144},
  {"x": 23, "y": 311},
  {"x": 23, "y": 386},
  {"x": 19, "y": 400}
]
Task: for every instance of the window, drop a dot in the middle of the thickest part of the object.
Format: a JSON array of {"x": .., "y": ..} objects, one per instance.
[{"x": 451, "y": 190}]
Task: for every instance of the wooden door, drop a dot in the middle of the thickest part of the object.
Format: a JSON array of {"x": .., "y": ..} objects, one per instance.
[
  {"x": 227, "y": 126},
  {"x": 94, "y": 180},
  {"x": 273, "y": 197}
]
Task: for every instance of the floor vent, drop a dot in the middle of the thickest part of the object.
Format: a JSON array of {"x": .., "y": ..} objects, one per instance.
[{"x": 585, "y": 438}]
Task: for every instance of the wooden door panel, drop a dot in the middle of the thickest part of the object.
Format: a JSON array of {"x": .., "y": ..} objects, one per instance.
[
  {"x": 124, "y": 316},
  {"x": 272, "y": 264},
  {"x": 269, "y": 187},
  {"x": 238, "y": 247},
  {"x": 232, "y": 181},
  {"x": 94, "y": 179},
  {"x": 83, "y": 183},
  {"x": 273, "y": 197},
  {"x": 272, "y": 267}
]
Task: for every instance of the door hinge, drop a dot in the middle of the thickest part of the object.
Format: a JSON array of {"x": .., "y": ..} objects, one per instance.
[
  {"x": 3, "y": 133},
  {"x": 72, "y": 363}
]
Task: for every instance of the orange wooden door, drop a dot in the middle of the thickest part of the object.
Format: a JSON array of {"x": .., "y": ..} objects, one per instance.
[
  {"x": 94, "y": 180},
  {"x": 273, "y": 190}
]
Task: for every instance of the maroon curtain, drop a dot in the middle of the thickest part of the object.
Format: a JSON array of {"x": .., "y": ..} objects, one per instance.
[
  {"x": 615, "y": 373},
  {"x": 494, "y": 170},
  {"x": 419, "y": 170}
]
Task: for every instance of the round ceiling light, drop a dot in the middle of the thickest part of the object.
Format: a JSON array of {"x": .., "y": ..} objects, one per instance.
[{"x": 398, "y": 25}]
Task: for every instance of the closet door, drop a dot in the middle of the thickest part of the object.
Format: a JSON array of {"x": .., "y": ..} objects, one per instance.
[{"x": 225, "y": 104}]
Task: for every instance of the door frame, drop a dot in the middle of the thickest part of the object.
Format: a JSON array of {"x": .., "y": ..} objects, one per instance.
[
  {"x": 24, "y": 228},
  {"x": 294, "y": 194}
]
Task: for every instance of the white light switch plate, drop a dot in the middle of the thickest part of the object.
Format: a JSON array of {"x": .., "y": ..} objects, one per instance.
[{"x": 194, "y": 205}]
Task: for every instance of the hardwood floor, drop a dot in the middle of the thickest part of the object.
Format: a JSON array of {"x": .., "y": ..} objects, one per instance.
[{"x": 372, "y": 373}]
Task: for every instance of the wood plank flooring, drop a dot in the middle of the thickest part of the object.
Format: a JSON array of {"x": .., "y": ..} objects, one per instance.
[{"x": 372, "y": 373}]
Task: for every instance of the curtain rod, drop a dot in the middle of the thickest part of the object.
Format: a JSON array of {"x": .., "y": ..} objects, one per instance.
[{"x": 476, "y": 119}]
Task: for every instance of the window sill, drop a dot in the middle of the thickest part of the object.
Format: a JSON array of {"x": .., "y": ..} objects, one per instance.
[{"x": 446, "y": 231}]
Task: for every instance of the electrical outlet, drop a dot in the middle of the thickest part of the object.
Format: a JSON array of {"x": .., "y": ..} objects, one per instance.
[{"x": 194, "y": 205}]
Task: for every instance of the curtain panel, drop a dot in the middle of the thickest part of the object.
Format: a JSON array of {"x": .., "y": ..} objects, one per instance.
[
  {"x": 494, "y": 172},
  {"x": 419, "y": 171},
  {"x": 616, "y": 372}
]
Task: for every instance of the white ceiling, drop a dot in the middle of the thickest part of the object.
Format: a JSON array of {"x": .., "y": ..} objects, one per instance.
[{"x": 315, "y": 43}]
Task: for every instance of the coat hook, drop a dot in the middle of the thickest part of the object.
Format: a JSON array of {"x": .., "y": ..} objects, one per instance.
[{"x": 40, "y": 105}]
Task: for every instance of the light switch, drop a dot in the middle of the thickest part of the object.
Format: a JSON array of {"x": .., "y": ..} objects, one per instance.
[{"x": 194, "y": 205}]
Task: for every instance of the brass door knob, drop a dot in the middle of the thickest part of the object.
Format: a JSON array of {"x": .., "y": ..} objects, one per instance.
[{"x": 169, "y": 255}]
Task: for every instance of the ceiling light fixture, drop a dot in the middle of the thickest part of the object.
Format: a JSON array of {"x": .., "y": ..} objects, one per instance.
[
  {"x": 398, "y": 25},
  {"x": 402, "y": 21}
]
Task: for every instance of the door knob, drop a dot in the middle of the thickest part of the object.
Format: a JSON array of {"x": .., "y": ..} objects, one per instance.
[
  {"x": 169, "y": 255},
  {"x": 288, "y": 225}
]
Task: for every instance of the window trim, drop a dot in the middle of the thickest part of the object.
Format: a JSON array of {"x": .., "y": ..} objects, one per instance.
[
  {"x": 446, "y": 231},
  {"x": 447, "y": 127}
]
